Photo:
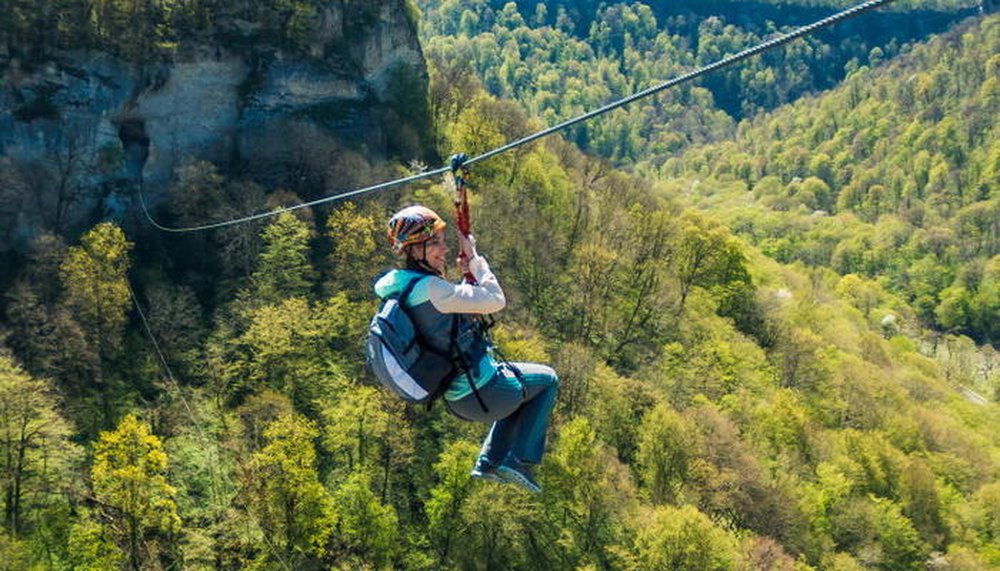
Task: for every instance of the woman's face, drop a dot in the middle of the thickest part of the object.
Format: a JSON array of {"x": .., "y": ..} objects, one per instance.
[{"x": 436, "y": 251}]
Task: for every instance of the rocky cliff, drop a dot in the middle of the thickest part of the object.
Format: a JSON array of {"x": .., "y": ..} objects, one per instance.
[{"x": 79, "y": 130}]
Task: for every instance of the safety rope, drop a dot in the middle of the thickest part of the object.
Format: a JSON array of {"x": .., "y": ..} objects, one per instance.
[
  {"x": 724, "y": 62},
  {"x": 214, "y": 491}
]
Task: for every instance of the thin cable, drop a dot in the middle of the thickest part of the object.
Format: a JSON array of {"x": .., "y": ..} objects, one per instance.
[
  {"x": 163, "y": 359},
  {"x": 275, "y": 212},
  {"x": 198, "y": 427},
  {"x": 724, "y": 62}
]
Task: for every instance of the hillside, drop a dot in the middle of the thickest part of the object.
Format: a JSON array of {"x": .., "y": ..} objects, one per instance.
[
  {"x": 200, "y": 401},
  {"x": 558, "y": 60},
  {"x": 893, "y": 177}
]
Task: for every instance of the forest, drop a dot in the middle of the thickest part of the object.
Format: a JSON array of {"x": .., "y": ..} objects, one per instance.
[{"x": 772, "y": 308}]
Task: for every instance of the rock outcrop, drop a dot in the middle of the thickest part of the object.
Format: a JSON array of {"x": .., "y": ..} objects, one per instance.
[{"x": 77, "y": 133}]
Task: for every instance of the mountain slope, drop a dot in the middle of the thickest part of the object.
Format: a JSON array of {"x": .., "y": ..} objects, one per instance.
[
  {"x": 894, "y": 176},
  {"x": 718, "y": 410}
]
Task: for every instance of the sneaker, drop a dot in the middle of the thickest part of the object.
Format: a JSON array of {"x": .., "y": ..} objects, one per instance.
[
  {"x": 517, "y": 472},
  {"x": 483, "y": 470}
]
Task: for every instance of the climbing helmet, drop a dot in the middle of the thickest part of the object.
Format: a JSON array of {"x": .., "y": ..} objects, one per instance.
[{"x": 413, "y": 225}]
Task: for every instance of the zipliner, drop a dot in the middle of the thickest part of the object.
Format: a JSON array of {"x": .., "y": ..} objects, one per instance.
[{"x": 517, "y": 398}]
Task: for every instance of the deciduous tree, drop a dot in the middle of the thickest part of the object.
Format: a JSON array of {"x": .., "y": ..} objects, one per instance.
[
  {"x": 129, "y": 477},
  {"x": 34, "y": 442},
  {"x": 96, "y": 285}
]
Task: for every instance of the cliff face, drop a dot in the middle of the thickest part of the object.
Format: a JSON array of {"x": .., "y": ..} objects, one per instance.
[{"x": 79, "y": 131}]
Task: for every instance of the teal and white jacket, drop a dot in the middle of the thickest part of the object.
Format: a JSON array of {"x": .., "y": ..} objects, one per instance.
[{"x": 435, "y": 304}]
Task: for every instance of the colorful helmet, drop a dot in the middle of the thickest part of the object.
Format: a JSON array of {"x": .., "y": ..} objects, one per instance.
[{"x": 413, "y": 225}]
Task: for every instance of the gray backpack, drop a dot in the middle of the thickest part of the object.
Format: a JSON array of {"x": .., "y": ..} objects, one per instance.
[{"x": 399, "y": 358}]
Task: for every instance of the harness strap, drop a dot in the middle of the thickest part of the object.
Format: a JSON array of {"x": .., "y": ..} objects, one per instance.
[
  {"x": 513, "y": 368},
  {"x": 464, "y": 365},
  {"x": 405, "y": 294},
  {"x": 454, "y": 354},
  {"x": 418, "y": 337}
]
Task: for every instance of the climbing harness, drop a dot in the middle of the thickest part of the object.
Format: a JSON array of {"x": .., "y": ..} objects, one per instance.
[{"x": 724, "y": 62}]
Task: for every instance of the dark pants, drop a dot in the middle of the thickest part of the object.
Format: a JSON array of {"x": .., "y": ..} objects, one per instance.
[{"x": 519, "y": 410}]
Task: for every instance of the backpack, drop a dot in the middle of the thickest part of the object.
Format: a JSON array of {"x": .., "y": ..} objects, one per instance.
[{"x": 399, "y": 358}]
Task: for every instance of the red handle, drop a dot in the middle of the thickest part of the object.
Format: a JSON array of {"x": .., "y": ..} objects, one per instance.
[{"x": 463, "y": 221}]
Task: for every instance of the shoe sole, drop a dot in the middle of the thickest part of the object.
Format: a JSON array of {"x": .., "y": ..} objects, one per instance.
[
  {"x": 515, "y": 477},
  {"x": 488, "y": 476}
]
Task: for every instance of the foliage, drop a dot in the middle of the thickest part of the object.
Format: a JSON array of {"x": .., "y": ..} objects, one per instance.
[
  {"x": 665, "y": 445},
  {"x": 588, "y": 493},
  {"x": 129, "y": 481},
  {"x": 889, "y": 177},
  {"x": 753, "y": 396},
  {"x": 34, "y": 446},
  {"x": 569, "y": 57},
  {"x": 358, "y": 246},
  {"x": 367, "y": 527},
  {"x": 365, "y": 431},
  {"x": 283, "y": 266},
  {"x": 148, "y": 31},
  {"x": 683, "y": 538},
  {"x": 96, "y": 286},
  {"x": 282, "y": 492},
  {"x": 91, "y": 547}
]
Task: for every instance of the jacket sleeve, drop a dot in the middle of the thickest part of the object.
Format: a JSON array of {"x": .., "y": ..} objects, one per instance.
[{"x": 486, "y": 297}]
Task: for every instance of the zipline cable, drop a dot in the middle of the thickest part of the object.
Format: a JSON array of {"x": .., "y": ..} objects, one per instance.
[{"x": 724, "y": 62}]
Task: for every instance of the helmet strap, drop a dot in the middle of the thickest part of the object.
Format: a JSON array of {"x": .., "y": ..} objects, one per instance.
[{"x": 419, "y": 264}]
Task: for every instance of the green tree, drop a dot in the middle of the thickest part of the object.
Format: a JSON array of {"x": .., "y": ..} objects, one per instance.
[
  {"x": 922, "y": 502},
  {"x": 706, "y": 255},
  {"x": 586, "y": 494},
  {"x": 283, "y": 269},
  {"x": 358, "y": 248},
  {"x": 280, "y": 487},
  {"x": 368, "y": 528},
  {"x": 15, "y": 555},
  {"x": 615, "y": 407},
  {"x": 453, "y": 487},
  {"x": 666, "y": 443},
  {"x": 954, "y": 313},
  {"x": 48, "y": 340},
  {"x": 96, "y": 285},
  {"x": 984, "y": 520},
  {"x": 682, "y": 538},
  {"x": 34, "y": 442},
  {"x": 292, "y": 347},
  {"x": 129, "y": 477},
  {"x": 92, "y": 547},
  {"x": 986, "y": 302},
  {"x": 365, "y": 430},
  {"x": 879, "y": 535}
]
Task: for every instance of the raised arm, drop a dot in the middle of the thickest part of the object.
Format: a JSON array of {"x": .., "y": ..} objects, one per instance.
[{"x": 485, "y": 297}]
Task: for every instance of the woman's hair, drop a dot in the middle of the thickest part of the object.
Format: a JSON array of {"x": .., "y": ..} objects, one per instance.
[{"x": 418, "y": 264}]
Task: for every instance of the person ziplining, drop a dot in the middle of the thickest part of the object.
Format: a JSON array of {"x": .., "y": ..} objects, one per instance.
[
  {"x": 477, "y": 384},
  {"x": 426, "y": 341}
]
